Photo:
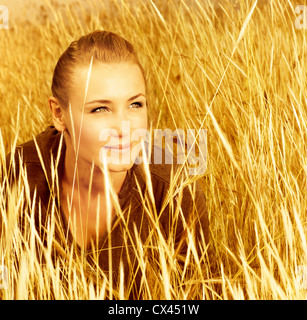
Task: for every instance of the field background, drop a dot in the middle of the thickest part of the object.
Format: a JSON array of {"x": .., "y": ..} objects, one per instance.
[{"x": 236, "y": 70}]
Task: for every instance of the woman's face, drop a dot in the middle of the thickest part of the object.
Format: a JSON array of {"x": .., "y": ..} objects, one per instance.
[{"x": 107, "y": 107}]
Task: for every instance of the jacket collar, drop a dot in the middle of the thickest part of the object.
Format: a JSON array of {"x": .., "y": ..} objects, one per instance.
[{"x": 51, "y": 149}]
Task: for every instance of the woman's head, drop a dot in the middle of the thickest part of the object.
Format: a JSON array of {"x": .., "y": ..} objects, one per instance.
[
  {"x": 99, "y": 99},
  {"x": 101, "y": 46}
]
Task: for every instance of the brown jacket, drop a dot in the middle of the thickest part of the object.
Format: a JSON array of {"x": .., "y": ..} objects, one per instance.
[{"x": 135, "y": 216}]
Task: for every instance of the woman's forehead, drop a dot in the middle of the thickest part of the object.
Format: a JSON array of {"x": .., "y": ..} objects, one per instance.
[
  {"x": 108, "y": 81},
  {"x": 108, "y": 70}
]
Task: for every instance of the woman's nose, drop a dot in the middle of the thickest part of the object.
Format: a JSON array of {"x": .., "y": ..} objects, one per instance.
[{"x": 121, "y": 124}]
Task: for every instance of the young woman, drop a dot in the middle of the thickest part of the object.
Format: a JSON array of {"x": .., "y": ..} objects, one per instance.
[{"x": 98, "y": 103}]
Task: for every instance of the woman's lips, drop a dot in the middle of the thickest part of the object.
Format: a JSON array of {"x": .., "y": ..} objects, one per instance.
[{"x": 119, "y": 148}]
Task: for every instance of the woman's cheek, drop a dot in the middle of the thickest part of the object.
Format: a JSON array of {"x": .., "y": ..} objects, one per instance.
[
  {"x": 139, "y": 121},
  {"x": 90, "y": 135}
]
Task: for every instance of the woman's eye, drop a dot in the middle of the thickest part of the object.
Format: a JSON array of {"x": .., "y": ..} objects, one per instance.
[
  {"x": 136, "y": 105},
  {"x": 100, "y": 109}
]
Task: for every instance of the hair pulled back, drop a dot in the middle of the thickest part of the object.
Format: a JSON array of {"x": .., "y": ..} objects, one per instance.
[{"x": 101, "y": 46}]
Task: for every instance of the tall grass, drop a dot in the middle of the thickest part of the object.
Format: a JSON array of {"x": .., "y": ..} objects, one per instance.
[{"x": 237, "y": 71}]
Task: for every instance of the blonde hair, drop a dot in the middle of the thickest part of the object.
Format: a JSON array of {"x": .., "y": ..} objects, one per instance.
[{"x": 101, "y": 46}]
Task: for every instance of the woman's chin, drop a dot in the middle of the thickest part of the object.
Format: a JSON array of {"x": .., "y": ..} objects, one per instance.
[{"x": 119, "y": 167}]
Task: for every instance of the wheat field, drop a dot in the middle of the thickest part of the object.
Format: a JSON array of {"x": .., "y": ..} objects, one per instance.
[{"x": 238, "y": 70}]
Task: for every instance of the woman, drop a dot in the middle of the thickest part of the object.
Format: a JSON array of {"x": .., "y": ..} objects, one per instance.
[{"x": 98, "y": 104}]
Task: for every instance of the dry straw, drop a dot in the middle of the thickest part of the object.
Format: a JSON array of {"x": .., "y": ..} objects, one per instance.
[{"x": 239, "y": 71}]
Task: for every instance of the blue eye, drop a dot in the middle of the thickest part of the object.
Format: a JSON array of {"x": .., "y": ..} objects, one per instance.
[{"x": 100, "y": 110}]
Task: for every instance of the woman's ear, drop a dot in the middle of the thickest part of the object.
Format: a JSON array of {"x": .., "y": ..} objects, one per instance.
[{"x": 57, "y": 114}]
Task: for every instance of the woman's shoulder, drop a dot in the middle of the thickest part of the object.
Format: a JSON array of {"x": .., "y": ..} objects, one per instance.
[
  {"x": 169, "y": 174},
  {"x": 172, "y": 178},
  {"x": 31, "y": 150},
  {"x": 34, "y": 156},
  {"x": 164, "y": 165}
]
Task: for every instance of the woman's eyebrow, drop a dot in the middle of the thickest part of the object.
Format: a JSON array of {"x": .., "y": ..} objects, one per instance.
[
  {"x": 109, "y": 101},
  {"x": 98, "y": 101},
  {"x": 137, "y": 96}
]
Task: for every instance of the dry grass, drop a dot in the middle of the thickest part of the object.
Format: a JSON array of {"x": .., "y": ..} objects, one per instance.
[{"x": 238, "y": 72}]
